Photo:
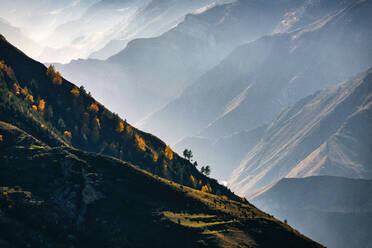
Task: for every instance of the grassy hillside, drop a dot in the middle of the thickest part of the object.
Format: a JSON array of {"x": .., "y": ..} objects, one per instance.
[
  {"x": 57, "y": 112},
  {"x": 64, "y": 197}
]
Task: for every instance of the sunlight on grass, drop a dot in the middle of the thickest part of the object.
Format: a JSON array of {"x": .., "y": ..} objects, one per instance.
[
  {"x": 194, "y": 220},
  {"x": 34, "y": 147}
]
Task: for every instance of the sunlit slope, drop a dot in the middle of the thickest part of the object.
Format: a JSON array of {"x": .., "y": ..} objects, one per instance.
[
  {"x": 256, "y": 80},
  {"x": 327, "y": 133},
  {"x": 66, "y": 197}
]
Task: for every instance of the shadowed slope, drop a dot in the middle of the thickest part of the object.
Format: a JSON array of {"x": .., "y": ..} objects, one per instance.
[
  {"x": 335, "y": 211},
  {"x": 34, "y": 99},
  {"x": 66, "y": 197}
]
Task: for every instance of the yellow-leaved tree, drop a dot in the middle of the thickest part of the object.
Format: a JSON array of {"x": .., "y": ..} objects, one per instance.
[
  {"x": 94, "y": 107},
  {"x": 120, "y": 127},
  {"x": 75, "y": 91},
  {"x": 193, "y": 181},
  {"x": 206, "y": 188},
  {"x": 140, "y": 143},
  {"x": 54, "y": 75},
  {"x": 168, "y": 153},
  {"x": 68, "y": 134},
  {"x": 41, "y": 106}
]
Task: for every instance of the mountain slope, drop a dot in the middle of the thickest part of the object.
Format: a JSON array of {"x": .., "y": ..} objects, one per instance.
[
  {"x": 222, "y": 154},
  {"x": 153, "y": 19},
  {"x": 45, "y": 105},
  {"x": 328, "y": 133},
  {"x": 66, "y": 197},
  {"x": 335, "y": 211},
  {"x": 155, "y": 70},
  {"x": 259, "y": 79}
]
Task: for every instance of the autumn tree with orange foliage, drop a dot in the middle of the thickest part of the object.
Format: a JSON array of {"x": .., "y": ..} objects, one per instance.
[
  {"x": 193, "y": 181},
  {"x": 206, "y": 188},
  {"x": 16, "y": 89},
  {"x": 41, "y": 106},
  {"x": 75, "y": 91},
  {"x": 29, "y": 98},
  {"x": 24, "y": 91},
  {"x": 140, "y": 143},
  {"x": 97, "y": 123},
  {"x": 168, "y": 153},
  {"x": 8, "y": 70},
  {"x": 129, "y": 130},
  {"x": 94, "y": 107},
  {"x": 120, "y": 127},
  {"x": 54, "y": 75},
  {"x": 155, "y": 157},
  {"x": 68, "y": 134}
]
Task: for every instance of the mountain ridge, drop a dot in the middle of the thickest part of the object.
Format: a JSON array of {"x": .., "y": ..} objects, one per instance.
[
  {"x": 289, "y": 142},
  {"x": 64, "y": 112}
]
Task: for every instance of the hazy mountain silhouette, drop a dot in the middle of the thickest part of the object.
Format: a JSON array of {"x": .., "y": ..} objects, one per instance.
[
  {"x": 335, "y": 211},
  {"x": 152, "y": 19},
  {"x": 328, "y": 133},
  {"x": 160, "y": 68},
  {"x": 258, "y": 79}
]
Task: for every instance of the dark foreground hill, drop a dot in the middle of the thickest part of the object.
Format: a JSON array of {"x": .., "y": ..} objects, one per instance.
[
  {"x": 335, "y": 211},
  {"x": 55, "y": 111},
  {"x": 63, "y": 197}
]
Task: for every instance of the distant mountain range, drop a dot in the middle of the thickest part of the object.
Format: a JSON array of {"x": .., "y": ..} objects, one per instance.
[
  {"x": 327, "y": 133},
  {"x": 335, "y": 211},
  {"x": 257, "y": 80},
  {"x": 153, "y": 19},
  {"x": 252, "y": 85},
  {"x": 94, "y": 28},
  {"x": 159, "y": 68},
  {"x": 54, "y": 194}
]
